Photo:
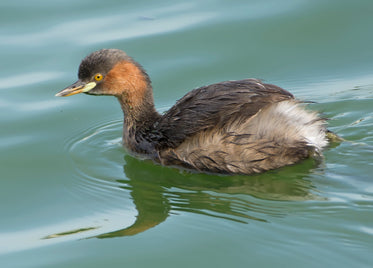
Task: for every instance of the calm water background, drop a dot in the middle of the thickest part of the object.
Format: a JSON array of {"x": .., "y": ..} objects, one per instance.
[{"x": 70, "y": 196}]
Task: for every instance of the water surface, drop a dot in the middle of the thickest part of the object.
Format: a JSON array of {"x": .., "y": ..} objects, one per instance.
[{"x": 71, "y": 196}]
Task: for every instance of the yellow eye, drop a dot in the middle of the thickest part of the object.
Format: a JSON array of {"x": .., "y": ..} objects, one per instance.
[{"x": 98, "y": 77}]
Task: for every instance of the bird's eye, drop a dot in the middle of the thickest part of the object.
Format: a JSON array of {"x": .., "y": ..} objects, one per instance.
[{"x": 98, "y": 77}]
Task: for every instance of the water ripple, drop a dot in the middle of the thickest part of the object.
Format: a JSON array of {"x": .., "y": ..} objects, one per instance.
[
  {"x": 158, "y": 191},
  {"x": 27, "y": 79},
  {"x": 111, "y": 27}
]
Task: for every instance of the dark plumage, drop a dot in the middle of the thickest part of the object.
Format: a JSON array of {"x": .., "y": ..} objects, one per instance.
[{"x": 240, "y": 127}]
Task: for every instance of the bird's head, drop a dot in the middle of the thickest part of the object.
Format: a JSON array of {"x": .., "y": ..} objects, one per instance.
[{"x": 109, "y": 72}]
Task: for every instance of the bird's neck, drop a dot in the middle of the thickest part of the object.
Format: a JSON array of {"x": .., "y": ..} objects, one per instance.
[{"x": 139, "y": 118}]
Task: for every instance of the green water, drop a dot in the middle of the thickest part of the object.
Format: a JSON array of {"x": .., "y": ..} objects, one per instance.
[{"x": 70, "y": 195}]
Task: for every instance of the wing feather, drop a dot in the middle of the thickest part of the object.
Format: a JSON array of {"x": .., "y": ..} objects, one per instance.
[{"x": 217, "y": 104}]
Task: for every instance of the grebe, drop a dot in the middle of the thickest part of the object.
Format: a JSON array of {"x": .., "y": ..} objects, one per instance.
[{"x": 232, "y": 127}]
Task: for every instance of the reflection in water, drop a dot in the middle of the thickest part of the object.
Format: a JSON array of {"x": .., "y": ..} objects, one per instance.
[{"x": 159, "y": 191}]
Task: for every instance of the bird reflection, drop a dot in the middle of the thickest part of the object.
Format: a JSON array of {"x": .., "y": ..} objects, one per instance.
[{"x": 159, "y": 191}]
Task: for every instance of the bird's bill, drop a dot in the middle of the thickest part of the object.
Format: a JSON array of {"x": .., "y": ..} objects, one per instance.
[{"x": 76, "y": 88}]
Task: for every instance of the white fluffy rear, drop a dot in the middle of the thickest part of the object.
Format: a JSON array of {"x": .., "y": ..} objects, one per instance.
[{"x": 288, "y": 121}]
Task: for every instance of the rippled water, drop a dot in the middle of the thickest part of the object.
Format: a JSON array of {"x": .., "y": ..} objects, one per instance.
[{"x": 66, "y": 182}]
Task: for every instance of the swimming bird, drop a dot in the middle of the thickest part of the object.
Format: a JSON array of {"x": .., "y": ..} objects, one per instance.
[{"x": 231, "y": 127}]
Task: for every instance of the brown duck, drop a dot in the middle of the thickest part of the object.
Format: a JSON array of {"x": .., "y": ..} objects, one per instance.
[{"x": 232, "y": 127}]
